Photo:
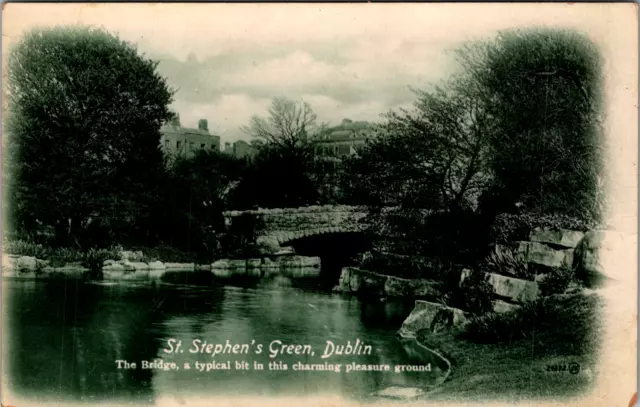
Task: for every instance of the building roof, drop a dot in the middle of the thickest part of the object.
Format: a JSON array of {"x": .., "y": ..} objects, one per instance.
[
  {"x": 349, "y": 130},
  {"x": 168, "y": 128}
]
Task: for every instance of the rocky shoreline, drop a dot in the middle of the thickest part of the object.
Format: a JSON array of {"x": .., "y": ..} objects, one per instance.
[{"x": 132, "y": 266}]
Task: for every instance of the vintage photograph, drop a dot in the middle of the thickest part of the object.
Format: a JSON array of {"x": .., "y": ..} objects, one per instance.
[{"x": 360, "y": 203}]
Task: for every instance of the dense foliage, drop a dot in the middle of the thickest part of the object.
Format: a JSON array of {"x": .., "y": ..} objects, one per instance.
[
  {"x": 542, "y": 87},
  {"x": 277, "y": 177},
  {"x": 195, "y": 195},
  {"x": 508, "y": 144},
  {"x": 82, "y": 146},
  {"x": 433, "y": 157}
]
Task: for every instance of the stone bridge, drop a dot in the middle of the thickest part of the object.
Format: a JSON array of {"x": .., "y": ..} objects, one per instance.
[{"x": 281, "y": 226}]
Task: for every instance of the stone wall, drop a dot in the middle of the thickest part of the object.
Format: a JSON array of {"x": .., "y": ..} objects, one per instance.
[{"x": 281, "y": 226}]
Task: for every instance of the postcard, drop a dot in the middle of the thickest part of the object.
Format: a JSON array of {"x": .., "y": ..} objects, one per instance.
[{"x": 319, "y": 204}]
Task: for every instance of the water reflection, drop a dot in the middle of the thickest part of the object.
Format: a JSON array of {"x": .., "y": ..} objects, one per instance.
[{"x": 64, "y": 338}]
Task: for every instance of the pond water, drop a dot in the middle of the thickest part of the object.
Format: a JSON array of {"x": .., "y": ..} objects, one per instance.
[{"x": 62, "y": 340}]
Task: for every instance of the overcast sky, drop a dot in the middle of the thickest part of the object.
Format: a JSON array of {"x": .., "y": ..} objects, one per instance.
[{"x": 347, "y": 61}]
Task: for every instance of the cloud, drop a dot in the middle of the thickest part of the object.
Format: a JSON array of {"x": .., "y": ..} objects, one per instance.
[
  {"x": 225, "y": 115},
  {"x": 227, "y": 61},
  {"x": 349, "y": 81}
]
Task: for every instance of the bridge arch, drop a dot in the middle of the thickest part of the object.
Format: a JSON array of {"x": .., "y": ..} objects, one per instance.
[
  {"x": 281, "y": 226},
  {"x": 287, "y": 237}
]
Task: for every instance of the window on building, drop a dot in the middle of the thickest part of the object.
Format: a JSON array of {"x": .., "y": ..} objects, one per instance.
[
  {"x": 166, "y": 143},
  {"x": 202, "y": 145},
  {"x": 344, "y": 150},
  {"x": 178, "y": 145}
]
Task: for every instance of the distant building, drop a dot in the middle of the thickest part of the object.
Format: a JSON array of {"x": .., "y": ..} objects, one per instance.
[
  {"x": 345, "y": 139},
  {"x": 240, "y": 149},
  {"x": 183, "y": 141}
]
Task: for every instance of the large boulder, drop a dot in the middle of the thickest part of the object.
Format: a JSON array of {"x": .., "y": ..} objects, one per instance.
[
  {"x": 514, "y": 289},
  {"x": 511, "y": 288},
  {"x": 16, "y": 263},
  {"x": 268, "y": 245},
  {"x": 353, "y": 280},
  {"x": 558, "y": 237},
  {"x": 400, "y": 287},
  {"x": 500, "y": 306},
  {"x": 432, "y": 317},
  {"x": 133, "y": 256},
  {"x": 604, "y": 255},
  {"x": 114, "y": 267},
  {"x": 545, "y": 255},
  {"x": 8, "y": 262}
]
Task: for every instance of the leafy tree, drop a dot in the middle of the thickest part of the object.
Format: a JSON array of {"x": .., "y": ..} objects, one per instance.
[
  {"x": 543, "y": 89},
  {"x": 427, "y": 170},
  {"x": 434, "y": 157},
  {"x": 195, "y": 196},
  {"x": 83, "y": 150},
  {"x": 277, "y": 177}
]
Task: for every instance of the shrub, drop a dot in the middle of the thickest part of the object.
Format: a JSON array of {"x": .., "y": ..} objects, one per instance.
[
  {"x": 24, "y": 248},
  {"x": 503, "y": 327},
  {"x": 93, "y": 259},
  {"x": 556, "y": 282},
  {"x": 506, "y": 261},
  {"x": 509, "y": 227},
  {"x": 563, "y": 323},
  {"x": 60, "y": 256},
  {"x": 459, "y": 238}
]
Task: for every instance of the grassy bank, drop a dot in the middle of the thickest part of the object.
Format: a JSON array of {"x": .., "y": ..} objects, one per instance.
[{"x": 525, "y": 354}]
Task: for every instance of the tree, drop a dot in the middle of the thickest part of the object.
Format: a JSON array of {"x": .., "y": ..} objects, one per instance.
[
  {"x": 543, "y": 89},
  {"x": 286, "y": 163},
  {"x": 290, "y": 125},
  {"x": 423, "y": 176},
  {"x": 196, "y": 194},
  {"x": 83, "y": 148},
  {"x": 277, "y": 177},
  {"x": 434, "y": 157}
]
